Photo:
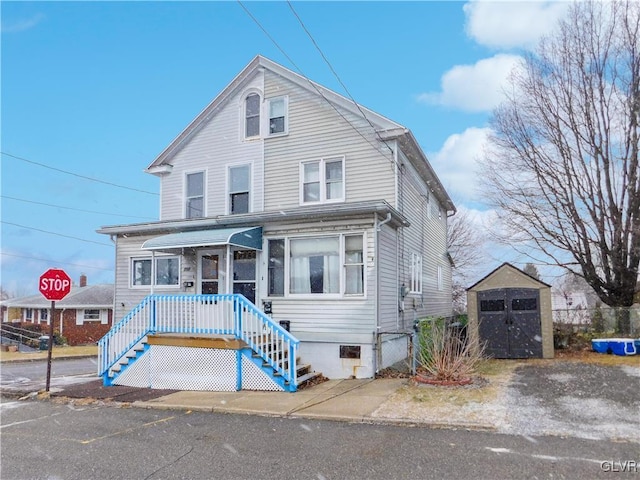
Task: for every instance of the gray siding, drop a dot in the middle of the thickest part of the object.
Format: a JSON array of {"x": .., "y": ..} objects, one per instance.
[
  {"x": 388, "y": 278},
  {"x": 219, "y": 144},
  {"x": 428, "y": 235},
  {"x": 317, "y": 131}
]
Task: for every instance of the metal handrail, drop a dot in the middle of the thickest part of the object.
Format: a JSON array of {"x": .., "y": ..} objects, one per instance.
[{"x": 230, "y": 314}]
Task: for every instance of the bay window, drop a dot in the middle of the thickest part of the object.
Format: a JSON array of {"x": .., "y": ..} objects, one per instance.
[{"x": 324, "y": 265}]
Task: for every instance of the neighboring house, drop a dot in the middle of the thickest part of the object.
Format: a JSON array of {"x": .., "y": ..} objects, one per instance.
[
  {"x": 332, "y": 224},
  {"x": 570, "y": 306},
  {"x": 84, "y": 316}
]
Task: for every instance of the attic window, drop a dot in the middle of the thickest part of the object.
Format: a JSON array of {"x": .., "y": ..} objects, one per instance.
[
  {"x": 252, "y": 115},
  {"x": 278, "y": 121}
]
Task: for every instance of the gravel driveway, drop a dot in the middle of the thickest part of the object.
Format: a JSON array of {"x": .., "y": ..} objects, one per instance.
[
  {"x": 573, "y": 398},
  {"x": 555, "y": 397}
]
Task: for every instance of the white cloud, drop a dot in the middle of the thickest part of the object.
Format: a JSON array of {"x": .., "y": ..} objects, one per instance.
[
  {"x": 474, "y": 88},
  {"x": 457, "y": 162},
  {"x": 512, "y": 24},
  {"x": 21, "y": 25}
]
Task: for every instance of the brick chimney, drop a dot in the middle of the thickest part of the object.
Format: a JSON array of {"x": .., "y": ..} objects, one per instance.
[{"x": 83, "y": 280}]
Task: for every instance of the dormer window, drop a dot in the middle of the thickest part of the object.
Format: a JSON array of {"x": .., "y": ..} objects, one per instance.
[
  {"x": 278, "y": 121},
  {"x": 252, "y": 116}
]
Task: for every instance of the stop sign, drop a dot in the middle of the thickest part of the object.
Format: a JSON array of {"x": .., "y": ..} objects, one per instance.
[{"x": 55, "y": 284}]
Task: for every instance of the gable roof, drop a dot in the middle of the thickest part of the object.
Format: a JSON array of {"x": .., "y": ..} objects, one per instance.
[
  {"x": 507, "y": 265},
  {"x": 91, "y": 296},
  {"x": 385, "y": 128}
]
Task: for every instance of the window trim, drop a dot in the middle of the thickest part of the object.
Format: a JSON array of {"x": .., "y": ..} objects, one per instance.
[
  {"x": 322, "y": 163},
  {"x": 154, "y": 260},
  {"x": 342, "y": 265},
  {"x": 249, "y": 191},
  {"x": 185, "y": 197},
  {"x": 268, "y": 102}
]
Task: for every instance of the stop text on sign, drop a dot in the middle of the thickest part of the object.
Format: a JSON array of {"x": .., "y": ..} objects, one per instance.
[{"x": 55, "y": 284}]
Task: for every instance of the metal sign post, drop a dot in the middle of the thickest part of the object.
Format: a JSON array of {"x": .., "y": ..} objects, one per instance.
[
  {"x": 53, "y": 307},
  {"x": 55, "y": 284}
]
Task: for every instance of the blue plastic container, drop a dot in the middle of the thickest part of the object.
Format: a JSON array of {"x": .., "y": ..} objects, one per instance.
[
  {"x": 600, "y": 345},
  {"x": 622, "y": 346}
]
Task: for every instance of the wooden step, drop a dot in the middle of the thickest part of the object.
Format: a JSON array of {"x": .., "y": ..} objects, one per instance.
[{"x": 306, "y": 377}]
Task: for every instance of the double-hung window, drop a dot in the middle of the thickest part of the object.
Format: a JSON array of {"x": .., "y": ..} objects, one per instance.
[
  {"x": 330, "y": 265},
  {"x": 252, "y": 116},
  {"x": 416, "y": 273},
  {"x": 44, "y": 314},
  {"x": 239, "y": 189},
  {"x": 278, "y": 115},
  {"x": 322, "y": 180},
  {"x": 194, "y": 195},
  {"x": 165, "y": 271}
]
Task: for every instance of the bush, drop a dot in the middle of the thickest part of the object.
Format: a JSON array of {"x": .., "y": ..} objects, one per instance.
[{"x": 444, "y": 353}]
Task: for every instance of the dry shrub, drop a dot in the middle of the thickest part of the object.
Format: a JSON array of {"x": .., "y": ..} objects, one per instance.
[{"x": 444, "y": 353}]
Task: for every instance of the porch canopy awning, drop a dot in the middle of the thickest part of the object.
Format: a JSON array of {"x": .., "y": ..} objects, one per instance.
[{"x": 247, "y": 237}]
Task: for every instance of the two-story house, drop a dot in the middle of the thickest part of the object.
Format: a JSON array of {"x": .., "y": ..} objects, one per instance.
[{"x": 325, "y": 215}]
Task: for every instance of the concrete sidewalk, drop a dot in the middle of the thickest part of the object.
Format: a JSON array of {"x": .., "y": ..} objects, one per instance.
[{"x": 346, "y": 400}]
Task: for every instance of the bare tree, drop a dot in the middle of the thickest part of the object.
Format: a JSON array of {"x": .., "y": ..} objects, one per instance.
[
  {"x": 562, "y": 166},
  {"x": 465, "y": 245}
]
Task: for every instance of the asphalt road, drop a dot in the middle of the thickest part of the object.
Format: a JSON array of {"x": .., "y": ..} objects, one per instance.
[
  {"x": 63, "y": 441},
  {"x": 25, "y": 376}
]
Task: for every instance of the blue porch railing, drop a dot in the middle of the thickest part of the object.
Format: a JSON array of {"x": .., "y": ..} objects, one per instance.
[{"x": 201, "y": 314}]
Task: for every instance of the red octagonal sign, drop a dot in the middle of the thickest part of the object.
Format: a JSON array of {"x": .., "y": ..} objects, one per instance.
[{"x": 55, "y": 284}]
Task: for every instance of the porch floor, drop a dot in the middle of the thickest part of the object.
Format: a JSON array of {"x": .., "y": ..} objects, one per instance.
[{"x": 221, "y": 342}]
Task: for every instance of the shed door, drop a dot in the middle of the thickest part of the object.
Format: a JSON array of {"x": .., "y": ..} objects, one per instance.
[{"x": 510, "y": 322}]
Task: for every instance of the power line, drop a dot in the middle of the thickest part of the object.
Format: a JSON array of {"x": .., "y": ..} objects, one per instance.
[
  {"x": 78, "y": 175},
  {"x": 54, "y": 233},
  {"x": 392, "y": 160},
  {"x": 48, "y": 260},
  {"x": 71, "y": 208},
  {"x": 335, "y": 74}
]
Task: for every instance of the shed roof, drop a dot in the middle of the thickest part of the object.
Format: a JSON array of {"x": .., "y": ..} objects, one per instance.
[{"x": 507, "y": 266}]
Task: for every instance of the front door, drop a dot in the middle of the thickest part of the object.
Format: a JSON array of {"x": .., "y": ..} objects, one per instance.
[
  {"x": 509, "y": 322},
  {"x": 244, "y": 273},
  {"x": 212, "y": 271}
]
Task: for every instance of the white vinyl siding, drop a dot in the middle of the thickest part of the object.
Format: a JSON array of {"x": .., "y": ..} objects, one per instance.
[
  {"x": 220, "y": 142},
  {"x": 317, "y": 131}
]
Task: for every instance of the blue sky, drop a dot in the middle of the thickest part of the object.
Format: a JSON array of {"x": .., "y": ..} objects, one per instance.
[{"x": 99, "y": 89}]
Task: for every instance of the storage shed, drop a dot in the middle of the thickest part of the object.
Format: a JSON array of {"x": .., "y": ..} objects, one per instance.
[{"x": 510, "y": 312}]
